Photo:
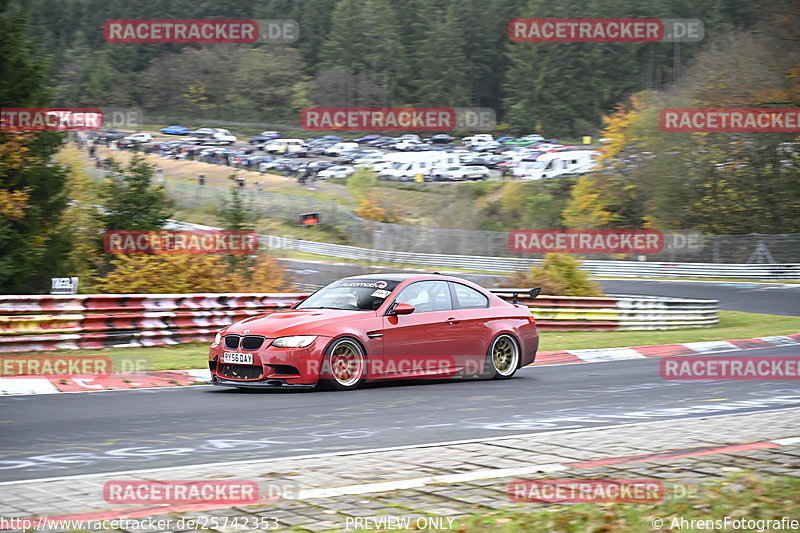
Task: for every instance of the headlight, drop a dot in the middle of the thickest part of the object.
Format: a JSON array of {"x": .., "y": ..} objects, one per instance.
[
  {"x": 218, "y": 338},
  {"x": 297, "y": 341}
]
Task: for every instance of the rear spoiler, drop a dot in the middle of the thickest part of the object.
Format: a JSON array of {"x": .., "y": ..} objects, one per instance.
[{"x": 531, "y": 293}]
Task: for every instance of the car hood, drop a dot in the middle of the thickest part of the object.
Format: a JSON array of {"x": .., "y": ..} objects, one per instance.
[{"x": 295, "y": 322}]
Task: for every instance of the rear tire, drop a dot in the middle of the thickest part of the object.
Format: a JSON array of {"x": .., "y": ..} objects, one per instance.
[
  {"x": 503, "y": 358},
  {"x": 344, "y": 365}
]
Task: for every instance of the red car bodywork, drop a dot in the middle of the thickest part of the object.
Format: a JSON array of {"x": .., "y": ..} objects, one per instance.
[{"x": 425, "y": 345}]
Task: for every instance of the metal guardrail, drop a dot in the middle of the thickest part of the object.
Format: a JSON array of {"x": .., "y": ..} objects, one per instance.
[
  {"x": 41, "y": 323},
  {"x": 786, "y": 271},
  {"x": 789, "y": 271}
]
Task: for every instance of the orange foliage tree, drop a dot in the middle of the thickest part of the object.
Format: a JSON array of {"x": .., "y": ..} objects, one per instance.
[{"x": 185, "y": 273}]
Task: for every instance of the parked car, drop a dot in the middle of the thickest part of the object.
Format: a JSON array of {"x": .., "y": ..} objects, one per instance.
[
  {"x": 367, "y": 138},
  {"x": 174, "y": 130},
  {"x": 337, "y": 171},
  {"x": 380, "y": 141},
  {"x": 461, "y": 173},
  {"x": 527, "y": 140},
  {"x": 212, "y": 136},
  {"x": 369, "y": 159},
  {"x": 317, "y": 146},
  {"x": 494, "y": 161},
  {"x": 316, "y": 166},
  {"x": 280, "y": 165},
  {"x": 409, "y": 145},
  {"x": 110, "y": 135},
  {"x": 484, "y": 146},
  {"x": 477, "y": 159},
  {"x": 253, "y": 161},
  {"x": 264, "y": 137},
  {"x": 140, "y": 138},
  {"x": 376, "y": 327},
  {"x": 441, "y": 138},
  {"x": 339, "y": 147},
  {"x": 286, "y": 146},
  {"x": 377, "y": 166},
  {"x": 480, "y": 137},
  {"x": 352, "y": 155}
]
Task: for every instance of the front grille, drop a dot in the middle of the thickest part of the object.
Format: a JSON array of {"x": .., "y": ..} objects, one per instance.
[
  {"x": 252, "y": 342},
  {"x": 241, "y": 371},
  {"x": 248, "y": 342},
  {"x": 232, "y": 342}
]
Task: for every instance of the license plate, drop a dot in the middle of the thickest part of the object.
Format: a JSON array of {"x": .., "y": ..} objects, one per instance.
[{"x": 237, "y": 358}]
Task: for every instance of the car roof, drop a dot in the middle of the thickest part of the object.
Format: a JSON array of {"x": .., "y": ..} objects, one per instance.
[{"x": 403, "y": 276}]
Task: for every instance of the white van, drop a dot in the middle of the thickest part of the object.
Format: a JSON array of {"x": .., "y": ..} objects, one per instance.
[
  {"x": 405, "y": 167},
  {"x": 211, "y": 136},
  {"x": 338, "y": 148},
  {"x": 284, "y": 146},
  {"x": 558, "y": 164}
]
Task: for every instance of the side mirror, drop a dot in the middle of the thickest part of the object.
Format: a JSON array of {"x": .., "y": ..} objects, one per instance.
[
  {"x": 535, "y": 292},
  {"x": 403, "y": 309}
]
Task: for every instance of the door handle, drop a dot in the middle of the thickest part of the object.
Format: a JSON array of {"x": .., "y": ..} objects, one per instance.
[{"x": 452, "y": 320}]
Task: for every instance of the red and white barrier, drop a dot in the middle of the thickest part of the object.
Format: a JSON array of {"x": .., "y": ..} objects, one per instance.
[{"x": 64, "y": 322}]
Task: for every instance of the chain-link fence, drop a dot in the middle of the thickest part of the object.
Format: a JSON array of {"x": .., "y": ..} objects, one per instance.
[{"x": 680, "y": 247}]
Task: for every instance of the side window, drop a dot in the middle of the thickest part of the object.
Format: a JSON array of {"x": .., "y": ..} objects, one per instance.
[
  {"x": 469, "y": 298},
  {"x": 427, "y": 296}
]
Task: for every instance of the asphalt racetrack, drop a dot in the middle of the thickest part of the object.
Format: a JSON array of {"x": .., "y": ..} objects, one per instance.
[{"x": 71, "y": 434}]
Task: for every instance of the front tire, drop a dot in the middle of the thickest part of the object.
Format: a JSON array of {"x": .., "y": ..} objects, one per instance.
[
  {"x": 344, "y": 365},
  {"x": 503, "y": 358}
]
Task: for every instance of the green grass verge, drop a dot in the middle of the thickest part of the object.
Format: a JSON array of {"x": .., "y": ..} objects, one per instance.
[
  {"x": 744, "y": 496},
  {"x": 733, "y": 325}
]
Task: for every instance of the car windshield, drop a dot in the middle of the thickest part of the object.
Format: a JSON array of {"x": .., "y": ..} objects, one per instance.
[{"x": 351, "y": 295}]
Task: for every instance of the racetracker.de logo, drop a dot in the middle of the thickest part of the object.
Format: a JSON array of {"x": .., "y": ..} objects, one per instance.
[
  {"x": 730, "y": 368},
  {"x": 180, "y": 242},
  {"x": 598, "y": 241},
  {"x": 50, "y": 118},
  {"x": 54, "y": 365},
  {"x": 378, "y": 118},
  {"x": 586, "y": 30},
  {"x": 586, "y": 490},
  {"x": 161, "y": 492},
  {"x": 730, "y": 120},
  {"x": 207, "y": 31}
]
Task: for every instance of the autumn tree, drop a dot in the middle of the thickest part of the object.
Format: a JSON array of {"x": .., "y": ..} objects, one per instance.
[
  {"x": 189, "y": 273},
  {"x": 130, "y": 200},
  {"x": 559, "y": 274},
  {"x": 236, "y": 215},
  {"x": 724, "y": 183},
  {"x": 33, "y": 243}
]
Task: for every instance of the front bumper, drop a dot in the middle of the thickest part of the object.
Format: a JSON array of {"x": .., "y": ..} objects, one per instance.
[
  {"x": 271, "y": 383},
  {"x": 289, "y": 366}
]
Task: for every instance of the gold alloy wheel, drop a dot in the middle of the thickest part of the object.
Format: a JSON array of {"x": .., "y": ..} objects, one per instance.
[
  {"x": 347, "y": 363},
  {"x": 505, "y": 355}
]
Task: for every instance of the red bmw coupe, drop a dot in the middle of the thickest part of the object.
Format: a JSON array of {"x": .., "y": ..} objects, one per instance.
[{"x": 378, "y": 326}]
